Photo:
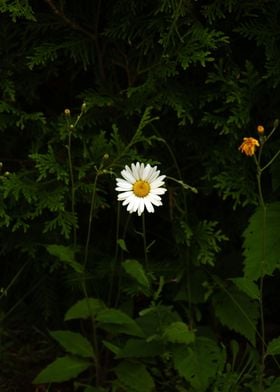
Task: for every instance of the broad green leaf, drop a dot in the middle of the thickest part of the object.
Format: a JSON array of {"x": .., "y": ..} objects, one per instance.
[
  {"x": 200, "y": 363},
  {"x": 117, "y": 321},
  {"x": 275, "y": 386},
  {"x": 273, "y": 347},
  {"x": 74, "y": 343},
  {"x": 262, "y": 242},
  {"x": 238, "y": 312},
  {"x": 136, "y": 271},
  {"x": 178, "y": 332},
  {"x": 84, "y": 309},
  {"x": 153, "y": 320},
  {"x": 122, "y": 244},
  {"x": 248, "y": 287},
  {"x": 62, "y": 369},
  {"x": 112, "y": 347},
  {"x": 137, "y": 348},
  {"x": 66, "y": 255},
  {"x": 134, "y": 377}
]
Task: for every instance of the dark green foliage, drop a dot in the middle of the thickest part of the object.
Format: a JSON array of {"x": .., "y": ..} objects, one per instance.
[
  {"x": 89, "y": 87},
  {"x": 238, "y": 312},
  {"x": 188, "y": 362},
  {"x": 262, "y": 230}
]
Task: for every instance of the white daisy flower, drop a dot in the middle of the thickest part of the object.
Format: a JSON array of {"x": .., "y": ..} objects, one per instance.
[{"x": 140, "y": 187}]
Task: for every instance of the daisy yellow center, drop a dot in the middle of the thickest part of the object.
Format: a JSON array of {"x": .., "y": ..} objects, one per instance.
[{"x": 141, "y": 188}]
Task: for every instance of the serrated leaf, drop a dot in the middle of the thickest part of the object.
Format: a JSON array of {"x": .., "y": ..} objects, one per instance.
[
  {"x": 153, "y": 320},
  {"x": 117, "y": 321},
  {"x": 259, "y": 234},
  {"x": 248, "y": 287},
  {"x": 66, "y": 255},
  {"x": 136, "y": 271},
  {"x": 134, "y": 377},
  {"x": 62, "y": 369},
  {"x": 84, "y": 309},
  {"x": 178, "y": 332},
  {"x": 273, "y": 347},
  {"x": 136, "y": 348},
  {"x": 200, "y": 363},
  {"x": 74, "y": 343},
  {"x": 238, "y": 312}
]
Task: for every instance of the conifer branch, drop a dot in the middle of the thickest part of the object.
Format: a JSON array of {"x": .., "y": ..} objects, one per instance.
[{"x": 68, "y": 21}]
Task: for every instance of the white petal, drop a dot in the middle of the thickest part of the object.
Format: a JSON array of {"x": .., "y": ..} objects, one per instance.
[
  {"x": 128, "y": 175},
  {"x": 158, "y": 180},
  {"x": 146, "y": 172},
  {"x": 125, "y": 195},
  {"x": 141, "y": 171},
  {"x": 153, "y": 196},
  {"x": 154, "y": 176},
  {"x": 123, "y": 183},
  {"x": 135, "y": 170},
  {"x": 136, "y": 204},
  {"x": 128, "y": 200},
  {"x": 148, "y": 205},
  {"x": 158, "y": 191},
  {"x": 154, "y": 199},
  {"x": 141, "y": 206},
  {"x": 132, "y": 206},
  {"x": 122, "y": 189},
  {"x": 156, "y": 184}
]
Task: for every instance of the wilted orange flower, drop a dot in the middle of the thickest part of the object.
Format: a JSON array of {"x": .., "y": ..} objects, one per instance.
[{"x": 249, "y": 145}]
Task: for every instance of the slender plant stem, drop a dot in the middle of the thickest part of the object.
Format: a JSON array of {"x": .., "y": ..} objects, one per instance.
[
  {"x": 94, "y": 337},
  {"x": 92, "y": 204},
  {"x": 72, "y": 127},
  {"x": 118, "y": 266},
  {"x": 72, "y": 181},
  {"x": 93, "y": 322},
  {"x": 271, "y": 161},
  {"x": 115, "y": 262},
  {"x": 144, "y": 240},
  {"x": 263, "y": 255},
  {"x": 3, "y": 291},
  {"x": 262, "y": 204},
  {"x": 184, "y": 213}
]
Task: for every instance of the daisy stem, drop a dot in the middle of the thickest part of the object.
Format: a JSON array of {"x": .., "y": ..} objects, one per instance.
[
  {"x": 118, "y": 266},
  {"x": 92, "y": 204},
  {"x": 115, "y": 262},
  {"x": 84, "y": 286},
  {"x": 94, "y": 337},
  {"x": 144, "y": 240}
]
